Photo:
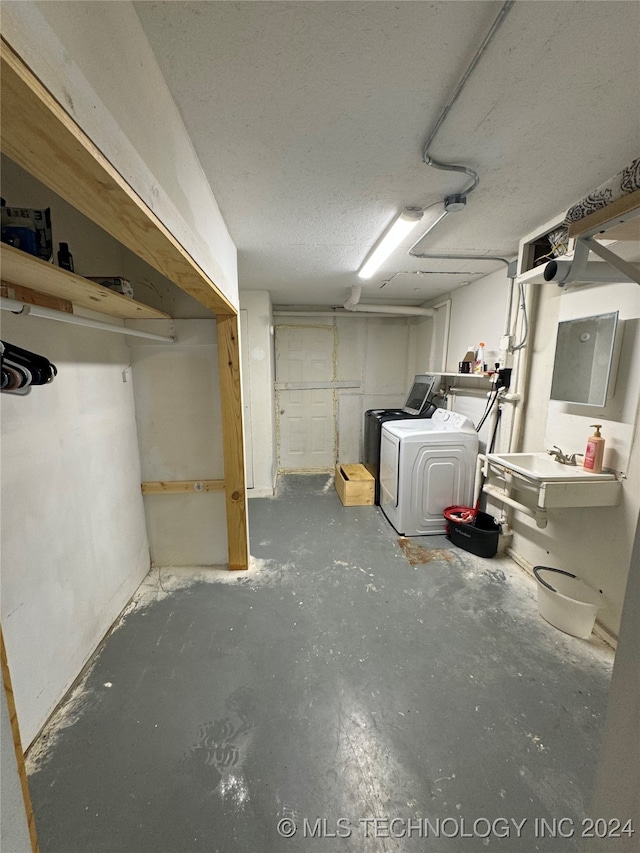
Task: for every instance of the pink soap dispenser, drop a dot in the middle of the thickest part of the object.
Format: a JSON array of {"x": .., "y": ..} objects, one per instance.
[{"x": 594, "y": 452}]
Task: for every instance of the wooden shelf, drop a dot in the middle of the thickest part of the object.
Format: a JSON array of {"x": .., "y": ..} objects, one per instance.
[
  {"x": 28, "y": 271},
  {"x": 466, "y": 375},
  {"x": 620, "y": 220},
  {"x": 41, "y": 137}
]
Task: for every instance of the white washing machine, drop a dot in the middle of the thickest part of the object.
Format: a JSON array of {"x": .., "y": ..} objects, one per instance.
[{"x": 426, "y": 466}]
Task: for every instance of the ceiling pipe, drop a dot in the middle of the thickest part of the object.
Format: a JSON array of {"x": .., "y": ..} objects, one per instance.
[
  {"x": 427, "y": 158},
  {"x": 407, "y": 310},
  {"x": 336, "y": 312},
  {"x": 354, "y": 298},
  {"x": 353, "y": 304},
  {"x": 451, "y": 257}
]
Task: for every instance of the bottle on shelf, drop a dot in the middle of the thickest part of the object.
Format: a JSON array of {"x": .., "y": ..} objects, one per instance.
[
  {"x": 594, "y": 452},
  {"x": 466, "y": 365},
  {"x": 65, "y": 258},
  {"x": 478, "y": 366}
]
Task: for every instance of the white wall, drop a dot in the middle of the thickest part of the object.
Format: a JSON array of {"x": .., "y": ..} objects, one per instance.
[
  {"x": 74, "y": 539},
  {"x": 177, "y": 403},
  {"x": 616, "y": 789},
  {"x": 258, "y": 385},
  {"x": 376, "y": 353},
  {"x": 478, "y": 314},
  {"x": 96, "y": 253},
  {"x": 97, "y": 62},
  {"x": 594, "y": 543}
]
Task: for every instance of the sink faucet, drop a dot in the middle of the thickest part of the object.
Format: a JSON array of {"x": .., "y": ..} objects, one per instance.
[{"x": 562, "y": 458}]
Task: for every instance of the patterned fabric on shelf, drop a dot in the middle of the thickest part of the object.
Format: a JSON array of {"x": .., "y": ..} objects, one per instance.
[{"x": 626, "y": 181}]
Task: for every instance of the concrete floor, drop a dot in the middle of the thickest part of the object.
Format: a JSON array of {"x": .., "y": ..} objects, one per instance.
[{"x": 335, "y": 687}]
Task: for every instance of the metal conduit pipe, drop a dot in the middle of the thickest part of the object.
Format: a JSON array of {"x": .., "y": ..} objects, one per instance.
[
  {"x": 522, "y": 374},
  {"x": 451, "y": 257},
  {"x": 446, "y": 256},
  {"x": 22, "y": 309},
  {"x": 504, "y": 11}
]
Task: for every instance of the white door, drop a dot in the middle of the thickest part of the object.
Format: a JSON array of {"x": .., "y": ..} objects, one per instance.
[{"x": 305, "y": 405}]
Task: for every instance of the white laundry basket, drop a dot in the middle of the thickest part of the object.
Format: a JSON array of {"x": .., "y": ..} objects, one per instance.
[{"x": 566, "y": 602}]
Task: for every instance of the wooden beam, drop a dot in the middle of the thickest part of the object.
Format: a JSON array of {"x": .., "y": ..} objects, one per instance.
[
  {"x": 181, "y": 487},
  {"x": 31, "y": 297},
  {"x": 233, "y": 441},
  {"x": 618, "y": 212},
  {"x": 20, "y": 268},
  {"x": 39, "y": 135},
  {"x": 17, "y": 745}
]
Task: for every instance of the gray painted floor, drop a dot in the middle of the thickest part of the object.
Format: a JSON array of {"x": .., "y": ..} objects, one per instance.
[{"x": 335, "y": 680}]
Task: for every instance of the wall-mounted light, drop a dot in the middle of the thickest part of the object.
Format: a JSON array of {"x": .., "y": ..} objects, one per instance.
[{"x": 396, "y": 233}]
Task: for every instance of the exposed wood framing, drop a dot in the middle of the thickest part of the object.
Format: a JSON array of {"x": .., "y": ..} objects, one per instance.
[
  {"x": 181, "y": 487},
  {"x": 39, "y": 135},
  {"x": 233, "y": 441},
  {"x": 19, "y": 268},
  {"x": 622, "y": 214},
  {"x": 31, "y": 297},
  {"x": 17, "y": 745}
]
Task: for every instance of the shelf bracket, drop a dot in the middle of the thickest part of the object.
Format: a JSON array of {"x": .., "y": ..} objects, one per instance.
[{"x": 632, "y": 271}]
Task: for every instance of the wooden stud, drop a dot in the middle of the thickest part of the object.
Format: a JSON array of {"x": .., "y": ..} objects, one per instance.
[
  {"x": 233, "y": 441},
  {"x": 625, "y": 206},
  {"x": 17, "y": 745},
  {"x": 31, "y": 297},
  {"x": 181, "y": 487},
  {"x": 20, "y": 268},
  {"x": 41, "y": 137}
]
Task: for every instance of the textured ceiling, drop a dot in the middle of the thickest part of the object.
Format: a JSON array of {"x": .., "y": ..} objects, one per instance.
[{"x": 309, "y": 119}]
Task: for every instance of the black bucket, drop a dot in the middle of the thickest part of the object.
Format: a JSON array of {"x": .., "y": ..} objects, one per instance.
[{"x": 479, "y": 535}]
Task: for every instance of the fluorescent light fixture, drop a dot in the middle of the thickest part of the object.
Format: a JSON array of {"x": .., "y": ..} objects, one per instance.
[
  {"x": 389, "y": 241},
  {"x": 405, "y": 223}
]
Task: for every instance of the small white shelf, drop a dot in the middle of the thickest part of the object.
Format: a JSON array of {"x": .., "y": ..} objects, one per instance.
[{"x": 466, "y": 375}]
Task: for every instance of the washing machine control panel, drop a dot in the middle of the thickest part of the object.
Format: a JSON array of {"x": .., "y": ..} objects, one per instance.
[{"x": 451, "y": 419}]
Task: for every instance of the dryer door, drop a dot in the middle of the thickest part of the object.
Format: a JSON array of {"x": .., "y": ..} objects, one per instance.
[
  {"x": 442, "y": 476},
  {"x": 389, "y": 467}
]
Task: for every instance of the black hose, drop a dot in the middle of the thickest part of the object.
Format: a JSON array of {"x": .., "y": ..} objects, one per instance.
[
  {"x": 536, "y": 572},
  {"x": 488, "y": 410}
]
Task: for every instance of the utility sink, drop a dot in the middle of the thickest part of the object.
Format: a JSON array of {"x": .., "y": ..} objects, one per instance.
[{"x": 541, "y": 467}]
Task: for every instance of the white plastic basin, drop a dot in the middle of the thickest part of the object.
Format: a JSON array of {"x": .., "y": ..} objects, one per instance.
[{"x": 566, "y": 602}]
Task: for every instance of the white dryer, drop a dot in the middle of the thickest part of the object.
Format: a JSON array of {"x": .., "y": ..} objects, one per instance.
[{"x": 426, "y": 466}]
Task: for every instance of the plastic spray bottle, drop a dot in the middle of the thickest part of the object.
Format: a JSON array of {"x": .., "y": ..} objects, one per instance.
[{"x": 478, "y": 366}]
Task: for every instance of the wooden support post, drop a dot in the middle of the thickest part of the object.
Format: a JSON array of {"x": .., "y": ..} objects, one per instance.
[
  {"x": 233, "y": 440},
  {"x": 17, "y": 745}
]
